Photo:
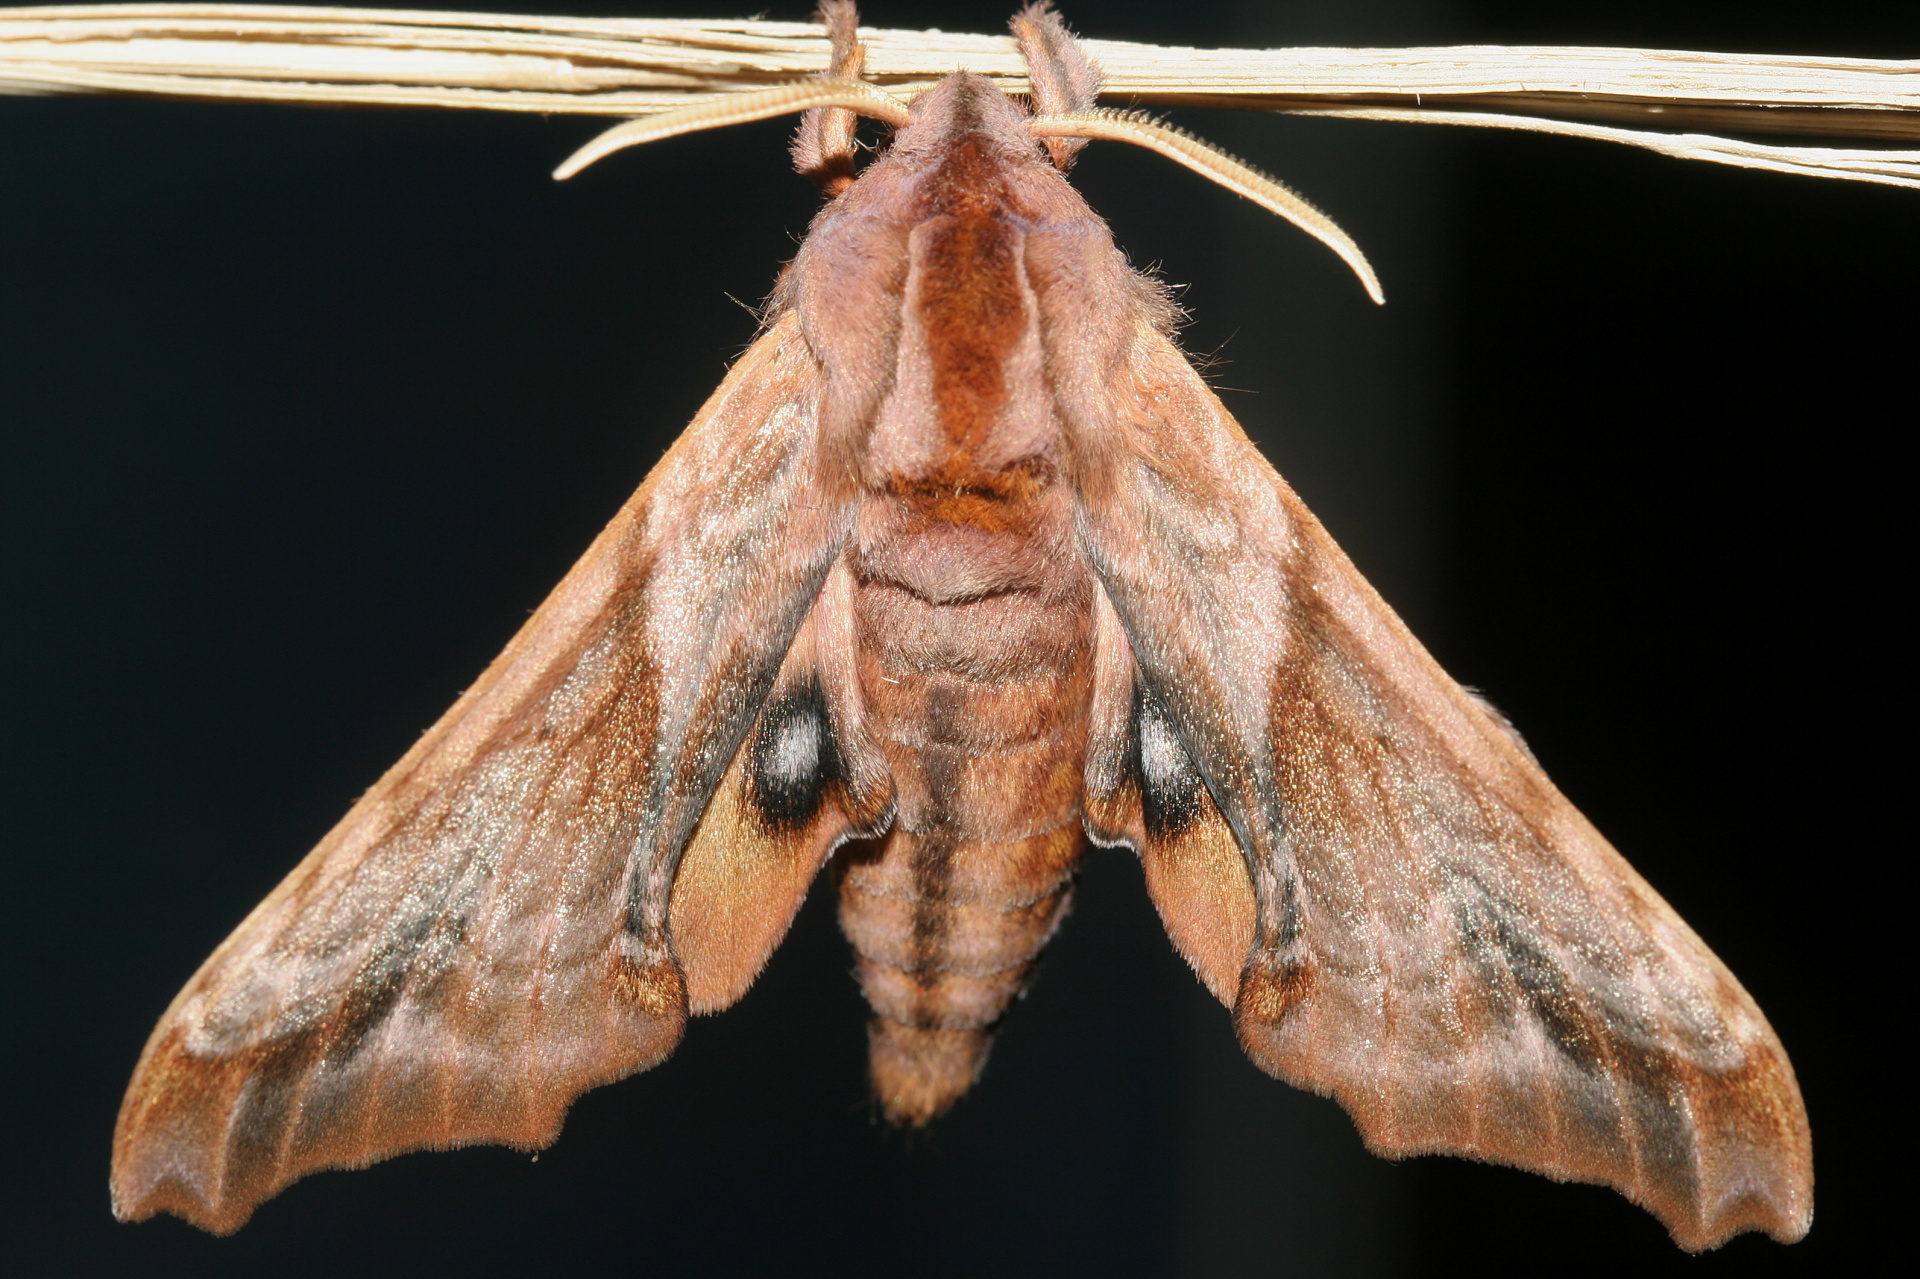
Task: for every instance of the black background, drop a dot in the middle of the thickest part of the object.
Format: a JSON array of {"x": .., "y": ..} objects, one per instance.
[{"x": 305, "y": 409}]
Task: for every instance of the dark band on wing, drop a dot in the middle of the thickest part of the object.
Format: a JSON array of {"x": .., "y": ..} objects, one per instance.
[{"x": 1508, "y": 963}]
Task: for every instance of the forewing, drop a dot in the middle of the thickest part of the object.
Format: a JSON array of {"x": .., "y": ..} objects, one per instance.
[
  {"x": 484, "y": 936},
  {"x": 1439, "y": 939}
]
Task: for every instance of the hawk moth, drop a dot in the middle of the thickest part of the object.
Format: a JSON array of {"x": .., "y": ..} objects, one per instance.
[{"x": 963, "y": 568}]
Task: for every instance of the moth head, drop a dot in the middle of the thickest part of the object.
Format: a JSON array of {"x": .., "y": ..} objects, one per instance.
[{"x": 1058, "y": 121}]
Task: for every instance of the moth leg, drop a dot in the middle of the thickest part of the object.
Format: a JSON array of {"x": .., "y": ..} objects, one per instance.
[
  {"x": 824, "y": 144},
  {"x": 1064, "y": 79}
]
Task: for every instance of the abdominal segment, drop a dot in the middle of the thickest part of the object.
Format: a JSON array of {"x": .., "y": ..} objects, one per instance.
[{"x": 979, "y": 704}]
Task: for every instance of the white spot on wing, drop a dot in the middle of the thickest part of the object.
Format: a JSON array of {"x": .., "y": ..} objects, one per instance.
[
  {"x": 796, "y": 752},
  {"x": 1162, "y": 758}
]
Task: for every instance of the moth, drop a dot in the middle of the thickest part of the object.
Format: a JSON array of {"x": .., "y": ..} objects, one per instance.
[{"x": 962, "y": 570}]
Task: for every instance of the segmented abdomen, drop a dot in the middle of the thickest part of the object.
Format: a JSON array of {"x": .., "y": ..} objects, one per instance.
[{"x": 980, "y": 704}]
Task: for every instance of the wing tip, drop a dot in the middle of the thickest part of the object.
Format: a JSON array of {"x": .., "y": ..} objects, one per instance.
[
  {"x": 197, "y": 1194},
  {"x": 1759, "y": 1180},
  {"x": 1782, "y": 1213},
  {"x": 1776, "y": 1199},
  {"x": 174, "y": 1196},
  {"x": 180, "y": 1149},
  {"x": 1777, "y": 1202}
]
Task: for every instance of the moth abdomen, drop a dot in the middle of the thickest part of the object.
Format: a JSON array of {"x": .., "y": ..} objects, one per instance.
[
  {"x": 946, "y": 933},
  {"x": 975, "y": 665}
]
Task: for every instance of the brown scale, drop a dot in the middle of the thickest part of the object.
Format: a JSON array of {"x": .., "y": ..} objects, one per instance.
[
  {"x": 975, "y": 659},
  {"x": 857, "y": 602},
  {"x": 986, "y": 742}
]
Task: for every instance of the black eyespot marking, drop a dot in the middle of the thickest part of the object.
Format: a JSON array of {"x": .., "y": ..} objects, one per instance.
[
  {"x": 1170, "y": 786},
  {"x": 794, "y": 757}
]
